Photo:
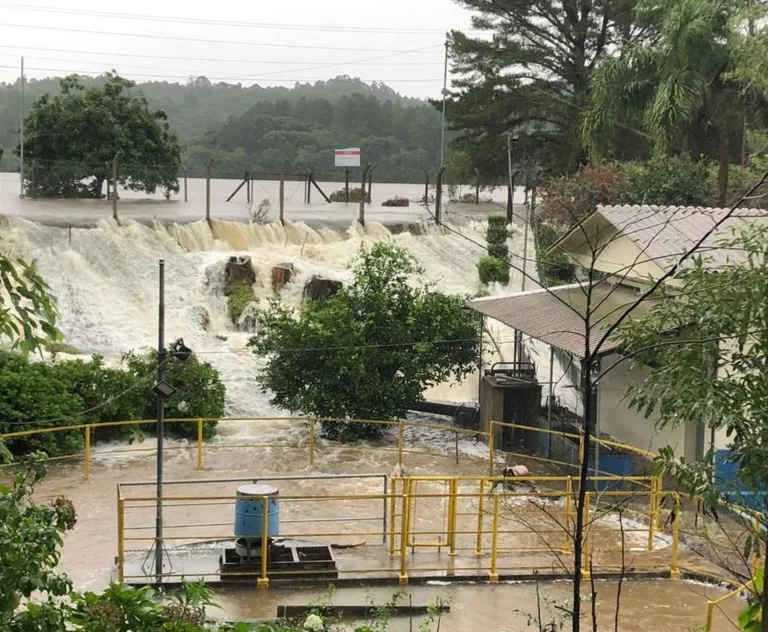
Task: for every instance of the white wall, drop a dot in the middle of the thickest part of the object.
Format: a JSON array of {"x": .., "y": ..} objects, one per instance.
[{"x": 631, "y": 426}]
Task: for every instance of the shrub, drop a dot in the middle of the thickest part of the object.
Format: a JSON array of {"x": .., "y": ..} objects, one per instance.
[
  {"x": 500, "y": 251},
  {"x": 354, "y": 196},
  {"x": 239, "y": 295},
  {"x": 493, "y": 270},
  {"x": 670, "y": 180},
  {"x": 260, "y": 214},
  {"x": 497, "y": 232},
  {"x": 554, "y": 267}
]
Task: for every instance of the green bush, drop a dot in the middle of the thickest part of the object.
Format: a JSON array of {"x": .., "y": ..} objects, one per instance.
[
  {"x": 35, "y": 395},
  {"x": 554, "y": 267},
  {"x": 354, "y": 196},
  {"x": 239, "y": 296},
  {"x": 670, "y": 180},
  {"x": 493, "y": 270},
  {"x": 497, "y": 232},
  {"x": 500, "y": 251}
]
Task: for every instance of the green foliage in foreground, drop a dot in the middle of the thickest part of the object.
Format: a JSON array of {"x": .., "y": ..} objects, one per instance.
[
  {"x": 371, "y": 350},
  {"x": 34, "y": 395}
]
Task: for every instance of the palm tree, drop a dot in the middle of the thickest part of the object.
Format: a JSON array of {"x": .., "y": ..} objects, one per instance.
[{"x": 678, "y": 86}]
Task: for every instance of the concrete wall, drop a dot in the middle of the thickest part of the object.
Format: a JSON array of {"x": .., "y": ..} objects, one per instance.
[{"x": 631, "y": 426}]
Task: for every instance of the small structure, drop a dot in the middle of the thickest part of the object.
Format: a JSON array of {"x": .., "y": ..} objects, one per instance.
[
  {"x": 240, "y": 269},
  {"x": 282, "y": 274},
  {"x": 397, "y": 201},
  {"x": 320, "y": 289}
]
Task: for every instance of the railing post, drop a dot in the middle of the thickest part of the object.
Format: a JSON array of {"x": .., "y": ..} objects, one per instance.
[
  {"x": 710, "y": 613},
  {"x": 493, "y": 577},
  {"x": 311, "y": 442},
  {"x": 480, "y": 512},
  {"x": 453, "y": 506},
  {"x": 652, "y": 515},
  {"x": 404, "y": 536},
  {"x": 674, "y": 569},
  {"x": 392, "y": 509},
  {"x": 568, "y": 497},
  {"x": 585, "y": 571},
  {"x": 120, "y": 540},
  {"x": 87, "y": 432},
  {"x": 400, "y": 441},
  {"x": 263, "y": 581},
  {"x": 491, "y": 448},
  {"x": 199, "y": 444}
]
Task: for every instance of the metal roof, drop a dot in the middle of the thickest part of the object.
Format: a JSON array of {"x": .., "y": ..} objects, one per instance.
[
  {"x": 556, "y": 316},
  {"x": 665, "y": 233}
]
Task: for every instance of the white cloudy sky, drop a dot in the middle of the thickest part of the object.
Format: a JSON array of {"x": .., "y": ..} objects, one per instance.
[{"x": 399, "y": 41}]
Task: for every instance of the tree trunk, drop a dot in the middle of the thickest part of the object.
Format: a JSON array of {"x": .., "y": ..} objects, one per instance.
[{"x": 722, "y": 175}]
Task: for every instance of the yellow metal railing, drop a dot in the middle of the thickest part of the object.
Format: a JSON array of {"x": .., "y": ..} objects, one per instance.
[
  {"x": 713, "y": 604},
  {"x": 476, "y": 545}
]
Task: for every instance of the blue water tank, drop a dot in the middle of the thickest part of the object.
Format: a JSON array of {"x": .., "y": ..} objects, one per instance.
[{"x": 249, "y": 511}]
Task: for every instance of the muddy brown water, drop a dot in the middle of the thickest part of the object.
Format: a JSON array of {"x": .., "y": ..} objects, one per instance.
[{"x": 90, "y": 549}]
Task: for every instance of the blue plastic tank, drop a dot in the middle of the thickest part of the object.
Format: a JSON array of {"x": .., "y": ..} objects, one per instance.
[{"x": 249, "y": 510}]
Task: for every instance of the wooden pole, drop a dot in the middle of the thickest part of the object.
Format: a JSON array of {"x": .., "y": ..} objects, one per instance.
[
  {"x": 361, "y": 216},
  {"x": 114, "y": 188},
  {"x": 346, "y": 185},
  {"x": 282, "y": 197},
  {"x": 208, "y": 191}
]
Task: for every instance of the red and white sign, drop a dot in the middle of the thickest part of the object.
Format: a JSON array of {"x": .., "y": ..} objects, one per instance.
[{"x": 347, "y": 156}]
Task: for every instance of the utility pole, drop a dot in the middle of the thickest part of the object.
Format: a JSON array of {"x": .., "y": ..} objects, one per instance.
[
  {"x": 21, "y": 135},
  {"x": 445, "y": 97},
  {"x": 161, "y": 390}
]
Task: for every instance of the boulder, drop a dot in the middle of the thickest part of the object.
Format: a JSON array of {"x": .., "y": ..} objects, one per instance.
[
  {"x": 319, "y": 289},
  {"x": 281, "y": 274},
  {"x": 240, "y": 269}
]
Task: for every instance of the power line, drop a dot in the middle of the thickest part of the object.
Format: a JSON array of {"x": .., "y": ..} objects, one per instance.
[
  {"x": 239, "y": 24},
  {"x": 265, "y": 78},
  {"x": 212, "y": 41},
  {"x": 276, "y": 62}
]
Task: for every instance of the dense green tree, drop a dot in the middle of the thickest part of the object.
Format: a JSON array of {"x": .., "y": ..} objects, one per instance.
[
  {"x": 679, "y": 86},
  {"x": 533, "y": 75},
  {"x": 73, "y": 137},
  {"x": 369, "y": 351}
]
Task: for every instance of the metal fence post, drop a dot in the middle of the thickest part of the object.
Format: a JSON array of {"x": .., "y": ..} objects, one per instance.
[
  {"x": 392, "y": 510},
  {"x": 208, "y": 191},
  {"x": 674, "y": 569},
  {"x": 87, "y": 468},
  {"x": 453, "y": 507},
  {"x": 114, "y": 188},
  {"x": 282, "y": 196},
  {"x": 652, "y": 515},
  {"x": 404, "y": 537},
  {"x": 568, "y": 498},
  {"x": 263, "y": 581},
  {"x": 200, "y": 444},
  {"x": 585, "y": 571},
  {"x": 120, "y": 540},
  {"x": 184, "y": 169},
  {"x": 361, "y": 215},
  {"x": 400, "y": 438},
  {"x": 710, "y": 614},
  {"x": 491, "y": 448},
  {"x": 480, "y": 512},
  {"x": 493, "y": 577}
]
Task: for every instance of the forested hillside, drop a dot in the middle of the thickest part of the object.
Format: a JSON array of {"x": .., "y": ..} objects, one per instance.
[{"x": 253, "y": 127}]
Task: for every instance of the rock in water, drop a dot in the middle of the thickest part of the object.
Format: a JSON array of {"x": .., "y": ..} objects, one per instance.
[
  {"x": 319, "y": 289},
  {"x": 240, "y": 269},
  {"x": 281, "y": 274}
]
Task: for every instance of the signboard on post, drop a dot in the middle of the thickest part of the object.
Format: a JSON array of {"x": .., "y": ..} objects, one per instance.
[{"x": 347, "y": 156}]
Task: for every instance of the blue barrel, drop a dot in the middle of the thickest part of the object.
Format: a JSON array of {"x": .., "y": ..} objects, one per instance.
[{"x": 249, "y": 511}]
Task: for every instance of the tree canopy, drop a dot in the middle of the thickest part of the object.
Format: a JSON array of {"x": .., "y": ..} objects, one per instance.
[
  {"x": 72, "y": 138},
  {"x": 533, "y": 76},
  {"x": 370, "y": 350}
]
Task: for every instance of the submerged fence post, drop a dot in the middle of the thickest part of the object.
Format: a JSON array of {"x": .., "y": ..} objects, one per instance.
[
  {"x": 263, "y": 581},
  {"x": 282, "y": 196},
  {"x": 370, "y": 185},
  {"x": 247, "y": 180},
  {"x": 114, "y": 188},
  {"x": 439, "y": 197},
  {"x": 184, "y": 169},
  {"x": 361, "y": 216},
  {"x": 87, "y": 452},
  {"x": 346, "y": 185},
  {"x": 208, "y": 191}
]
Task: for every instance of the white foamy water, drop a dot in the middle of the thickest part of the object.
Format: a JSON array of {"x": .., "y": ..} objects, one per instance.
[{"x": 105, "y": 280}]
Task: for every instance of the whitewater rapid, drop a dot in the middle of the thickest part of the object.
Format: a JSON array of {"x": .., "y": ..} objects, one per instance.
[{"x": 105, "y": 281}]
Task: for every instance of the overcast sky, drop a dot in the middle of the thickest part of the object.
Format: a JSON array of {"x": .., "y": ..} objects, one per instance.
[{"x": 400, "y": 42}]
